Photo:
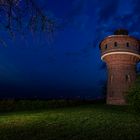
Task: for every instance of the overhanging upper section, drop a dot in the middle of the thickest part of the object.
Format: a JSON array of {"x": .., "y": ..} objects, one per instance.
[{"x": 120, "y": 44}]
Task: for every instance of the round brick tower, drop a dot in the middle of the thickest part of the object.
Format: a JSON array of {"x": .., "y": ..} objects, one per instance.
[{"x": 121, "y": 53}]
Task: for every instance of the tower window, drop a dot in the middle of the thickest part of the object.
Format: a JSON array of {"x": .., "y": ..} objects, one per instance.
[
  {"x": 127, "y": 78},
  {"x": 111, "y": 79},
  {"x": 138, "y": 48},
  {"x": 127, "y": 44},
  {"x": 106, "y": 46},
  {"x": 115, "y": 44}
]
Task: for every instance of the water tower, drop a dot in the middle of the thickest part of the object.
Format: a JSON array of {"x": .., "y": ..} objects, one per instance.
[{"x": 121, "y": 53}]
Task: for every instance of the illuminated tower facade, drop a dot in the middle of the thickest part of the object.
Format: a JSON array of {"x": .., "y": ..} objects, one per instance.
[{"x": 121, "y": 53}]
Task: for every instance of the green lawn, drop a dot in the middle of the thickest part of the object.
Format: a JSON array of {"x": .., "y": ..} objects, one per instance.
[{"x": 93, "y": 122}]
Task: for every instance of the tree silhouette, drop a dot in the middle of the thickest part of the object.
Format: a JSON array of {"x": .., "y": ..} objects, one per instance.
[
  {"x": 18, "y": 16},
  {"x": 133, "y": 94}
]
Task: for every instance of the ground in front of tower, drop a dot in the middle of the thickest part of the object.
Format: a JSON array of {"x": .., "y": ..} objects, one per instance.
[{"x": 86, "y": 122}]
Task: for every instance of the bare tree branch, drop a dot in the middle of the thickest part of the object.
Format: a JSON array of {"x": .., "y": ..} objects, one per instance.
[{"x": 17, "y": 16}]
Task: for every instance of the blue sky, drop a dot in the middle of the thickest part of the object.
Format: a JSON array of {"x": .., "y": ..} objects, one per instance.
[{"x": 69, "y": 63}]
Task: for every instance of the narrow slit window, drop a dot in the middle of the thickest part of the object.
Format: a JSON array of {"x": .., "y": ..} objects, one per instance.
[
  {"x": 115, "y": 44},
  {"x": 111, "y": 79},
  {"x": 127, "y": 44},
  {"x": 127, "y": 78},
  {"x": 106, "y": 46}
]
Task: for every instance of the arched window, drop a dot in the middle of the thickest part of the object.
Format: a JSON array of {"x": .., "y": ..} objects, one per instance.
[
  {"x": 115, "y": 44},
  {"x": 127, "y": 44}
]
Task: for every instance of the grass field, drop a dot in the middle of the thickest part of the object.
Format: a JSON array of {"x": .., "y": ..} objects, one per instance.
[{"x": 85, "y": 122}]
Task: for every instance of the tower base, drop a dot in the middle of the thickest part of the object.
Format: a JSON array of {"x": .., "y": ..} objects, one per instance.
[{"x": 116, "y": 102}]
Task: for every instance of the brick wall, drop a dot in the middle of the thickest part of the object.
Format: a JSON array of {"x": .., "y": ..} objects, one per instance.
[{"x": 121, "y": 67}]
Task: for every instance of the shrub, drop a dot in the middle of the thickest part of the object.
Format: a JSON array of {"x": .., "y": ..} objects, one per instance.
[
  {"x": 133, "y": 95},
  {"x": 6, "y": 105},
  {"x": 37, "y": 104}
]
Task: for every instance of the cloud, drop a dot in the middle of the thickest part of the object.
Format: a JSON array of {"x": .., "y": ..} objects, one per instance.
[
  {"x": 76, "y": 10},
  {"x": 107, "y": 9},
  {"x": 117, "y": 14}
]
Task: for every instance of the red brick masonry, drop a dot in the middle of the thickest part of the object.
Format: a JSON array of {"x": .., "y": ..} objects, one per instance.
[{"x": 121, "y": 54}]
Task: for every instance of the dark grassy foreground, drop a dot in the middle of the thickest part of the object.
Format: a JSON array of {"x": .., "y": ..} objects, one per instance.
[{"x": 93, "y": 122}]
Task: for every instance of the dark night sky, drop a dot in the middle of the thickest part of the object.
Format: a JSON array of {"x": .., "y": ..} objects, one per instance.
[{"x": 69, "y": 65}]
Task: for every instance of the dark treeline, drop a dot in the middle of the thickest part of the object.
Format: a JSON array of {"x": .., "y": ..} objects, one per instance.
[{"x": 37, "y": 104}]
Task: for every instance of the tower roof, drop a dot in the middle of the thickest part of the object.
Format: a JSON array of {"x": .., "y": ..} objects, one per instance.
[{"x": 121, "y": 32}]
